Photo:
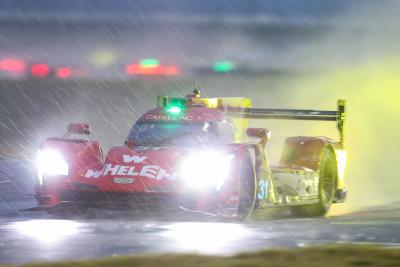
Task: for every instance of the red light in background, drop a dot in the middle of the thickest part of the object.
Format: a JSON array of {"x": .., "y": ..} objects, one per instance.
[
  {"x": 12, "y": 65},
  {"x": 63, "y": 72},
  {"x": 171, "y": 71},
  {"x": 40, "y": 70},
  {"x": 157, "y": 70},
  {"x": 131, "y": 69},
  {"x": 141, "y": 70}
]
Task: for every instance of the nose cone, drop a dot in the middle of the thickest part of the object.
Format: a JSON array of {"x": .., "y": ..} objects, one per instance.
[{"x": 142, "y": 169}]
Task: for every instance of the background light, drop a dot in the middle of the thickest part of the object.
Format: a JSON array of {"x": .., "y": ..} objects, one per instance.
[
  {"x": 171, "y": 70},
  {"x": 63, "y": 72},
  {"x": 102, "y": 58},
  {"x": 223, "y": 66},
  {"x": 40, "y": 70},
  {"x": 150, "y": 68},
  {"x": 13, "y": 65},
  {"x": 149, "y": 62}
]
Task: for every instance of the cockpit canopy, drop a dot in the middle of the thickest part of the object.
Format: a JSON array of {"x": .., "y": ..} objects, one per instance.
[{"x": 181, "y": 133}]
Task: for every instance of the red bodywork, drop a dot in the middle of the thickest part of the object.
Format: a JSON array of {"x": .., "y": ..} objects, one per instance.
[{"x": 137, "y": 176}]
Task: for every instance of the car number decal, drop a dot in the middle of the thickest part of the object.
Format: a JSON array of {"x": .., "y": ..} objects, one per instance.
[{"x": 263, "y": 186}]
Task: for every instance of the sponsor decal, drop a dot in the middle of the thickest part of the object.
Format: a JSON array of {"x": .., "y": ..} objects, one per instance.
[
  {"x": 121, "y": 180},
  {"x": 135, "y": 159},
  {"x": 148, "y": 171},
  {"x": 159, "y": 117}
]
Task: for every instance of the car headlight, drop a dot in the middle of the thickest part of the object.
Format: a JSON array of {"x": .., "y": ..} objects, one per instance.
[
  {"x": 206, "y": 169},
  {"x": 51, "y": 162}
]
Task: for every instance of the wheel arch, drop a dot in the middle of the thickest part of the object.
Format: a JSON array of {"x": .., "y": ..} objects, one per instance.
[{"x": 307, "y": 152}]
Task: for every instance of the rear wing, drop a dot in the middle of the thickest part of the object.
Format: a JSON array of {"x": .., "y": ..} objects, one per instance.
[
  {"x": 339, "y": 115},
  {"x": 240, "y": 110}
]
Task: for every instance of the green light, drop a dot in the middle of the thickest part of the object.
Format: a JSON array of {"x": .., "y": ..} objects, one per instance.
[
  {"x": 174, "y": 110},
  {"x": 223, "y": 66},
  {"x": 149, "y": 62},
  {"x": 174, "y": 105}
]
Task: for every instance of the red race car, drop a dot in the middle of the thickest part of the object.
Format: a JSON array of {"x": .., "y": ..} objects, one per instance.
[{"x": 193, "y": 153}]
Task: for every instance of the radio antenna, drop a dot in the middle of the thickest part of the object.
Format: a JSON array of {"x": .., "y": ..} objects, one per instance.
[{"x": 196, "y": 91}]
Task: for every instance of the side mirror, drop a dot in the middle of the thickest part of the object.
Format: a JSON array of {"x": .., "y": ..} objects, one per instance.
[
  {"x": 79, "y": 128},
  {"x": 129, "y": 143},
  {"x": 262, "y": 133}
]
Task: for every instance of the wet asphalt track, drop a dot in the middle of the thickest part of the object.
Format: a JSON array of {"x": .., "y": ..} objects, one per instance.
[{"x": 27, "y": 236}]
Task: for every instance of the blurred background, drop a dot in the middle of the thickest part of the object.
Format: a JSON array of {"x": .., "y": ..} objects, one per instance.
[{"x": 104, "y": 62}]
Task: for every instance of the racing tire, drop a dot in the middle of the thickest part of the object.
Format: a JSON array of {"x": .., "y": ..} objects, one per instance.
[
  {"x": 326, "y": 188},
  {"x": 247, "y": 189}
]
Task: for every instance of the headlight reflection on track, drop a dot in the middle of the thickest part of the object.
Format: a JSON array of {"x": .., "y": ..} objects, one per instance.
[
  {"x": 47, "y": 231},
  {"x": 205, "y": 237}
]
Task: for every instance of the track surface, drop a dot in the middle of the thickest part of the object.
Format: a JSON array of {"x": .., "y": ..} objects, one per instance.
[{"x": 27, "y": 236}]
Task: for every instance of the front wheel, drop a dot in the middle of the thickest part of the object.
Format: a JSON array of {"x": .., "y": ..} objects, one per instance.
[
  {"x": 247, "y": 189},
  {"x": 326, "y": 188}
]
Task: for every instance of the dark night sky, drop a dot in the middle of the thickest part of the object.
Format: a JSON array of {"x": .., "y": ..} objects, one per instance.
[{"x": 182, "y": 7}]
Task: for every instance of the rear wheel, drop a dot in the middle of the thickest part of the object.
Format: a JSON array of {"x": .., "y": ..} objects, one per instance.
[
  {"x": 247, "y": 189},
  {"x": 326, "y": 188}
]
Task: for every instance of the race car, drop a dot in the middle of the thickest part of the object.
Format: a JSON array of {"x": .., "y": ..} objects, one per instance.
[{"x": 196, "y": 154}]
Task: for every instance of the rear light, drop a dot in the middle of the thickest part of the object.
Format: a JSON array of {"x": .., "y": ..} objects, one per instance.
[
  {"x": 151, "y": 67},
  {"x": 144, "y": 70},
  {"x": 171, "y": 70},
  {"x": 13, "y": 65},
  {"x": 40, "y": 70},
  {"x": 63, "y": 72}
]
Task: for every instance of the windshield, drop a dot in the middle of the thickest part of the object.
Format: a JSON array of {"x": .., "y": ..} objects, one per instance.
[
  {"x": 179, "y": 134},
  {"x": 173, "y": 134}
]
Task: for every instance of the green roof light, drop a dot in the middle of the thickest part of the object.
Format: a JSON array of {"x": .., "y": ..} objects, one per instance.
[
  {"x": 172, "y": 105},
  {"x": 223, "y": 66},
  {"x": 174, "y": 109}
]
